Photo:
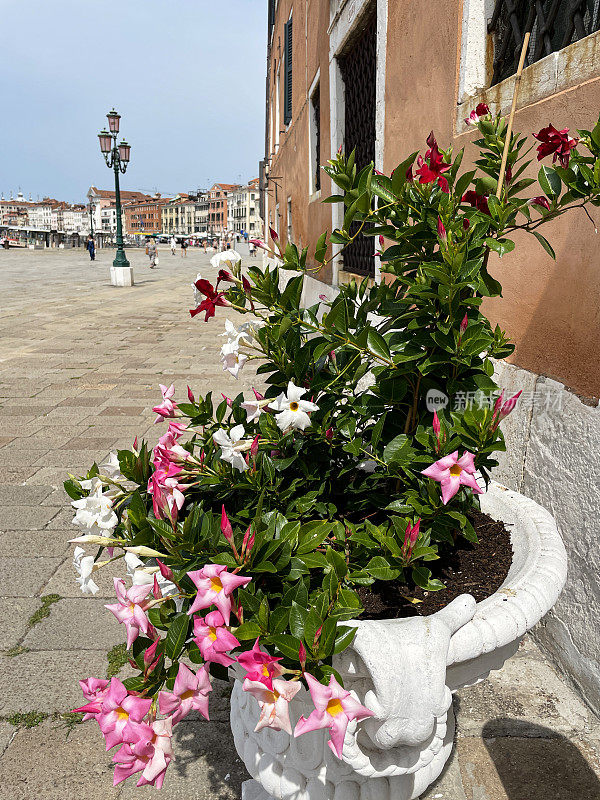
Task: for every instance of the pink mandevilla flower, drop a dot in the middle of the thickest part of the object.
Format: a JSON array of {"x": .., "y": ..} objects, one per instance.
[
  {"x": 334, "y": 709},
  {"x": 94, "y": 690},
  {"x": 274, "y": 703},
  {"x": 148, "y": 750},
  {"x": 166, "y": 492},
  {"x": 190, "y": 693},
  {"x": 213, "y": 639},
  {"x": 131, "y": 608},
  {"x": 260, "y": 666},
  {"x": 453, "y": 472},
  {"x": 215, "y": 586},
  {"x": 120, "y": 709},
  {"x": 410, "y": 539},
  {"x": 167, "y": 409}
]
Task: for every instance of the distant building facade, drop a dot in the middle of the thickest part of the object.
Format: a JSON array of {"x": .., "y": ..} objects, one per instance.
[
  {"x": 243, "y": 210},
  {"x": 143, "y": 217}
]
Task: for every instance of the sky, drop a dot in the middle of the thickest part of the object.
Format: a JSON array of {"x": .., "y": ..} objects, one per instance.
[{"x": 187, "y": 77}]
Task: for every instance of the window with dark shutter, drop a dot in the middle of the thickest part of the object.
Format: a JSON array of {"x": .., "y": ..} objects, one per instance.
[
  {"x": 358, "y": 68},
  {"x": 287, "y": 88},
  {"x": 271, "y": 16},
  {"x": 553, "y": 24}
]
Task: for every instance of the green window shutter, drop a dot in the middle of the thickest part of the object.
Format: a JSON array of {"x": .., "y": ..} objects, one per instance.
[
  {"x": 271, "y": 15},
  {"x": 287, "y": 87}
]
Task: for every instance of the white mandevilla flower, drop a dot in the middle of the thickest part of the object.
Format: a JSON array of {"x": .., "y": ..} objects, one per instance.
[
  {"x": 254, "y": 408},
  {"x": 232, "y": 446},
  {"x": 294, "y": 410},
  {"x": 231, "y": 358},
  {"x": 198, "y": 296},
  {"x": 235, "y": 334},
  {"x": 111, "y": 468},
  {"x": 142, "y": 574},
  {"x": 94, "y": 513},
  {"x": 84, "y": 565}
]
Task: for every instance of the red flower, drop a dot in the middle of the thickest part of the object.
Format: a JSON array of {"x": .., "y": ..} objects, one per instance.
[
  {"x": 225, "y": 275},
  {"x": 482, "y": 110},
  {"x": 539, "y": 201},
  {"x": 557, "y": 142},
  {"x": 478, "y": 201},
  {"x": 213, "y": 299},
  {"x": 433, "y": 169}
]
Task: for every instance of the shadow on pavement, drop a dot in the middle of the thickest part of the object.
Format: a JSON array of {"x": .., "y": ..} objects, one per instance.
[{"x": 536, "y": 763}]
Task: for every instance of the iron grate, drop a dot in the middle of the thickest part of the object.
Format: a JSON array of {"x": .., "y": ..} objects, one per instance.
[
  {"x": 553, "y": 24},
  {"x": 358, "y": 68}
]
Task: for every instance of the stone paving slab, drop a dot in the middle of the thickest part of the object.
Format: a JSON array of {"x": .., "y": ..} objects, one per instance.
[
  {"x": 80, "y": 374},
  {"x": 26, "y": 577},
  {"x": 80, "y": 623},
  {"x": 46, "y": 680}
]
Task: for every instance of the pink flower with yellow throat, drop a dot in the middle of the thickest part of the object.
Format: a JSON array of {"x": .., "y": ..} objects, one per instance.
[
  {"x": 334, "y": 709},
  {"x": 148, "y": 750},
  {"x": 260, "y": 666},
  {"x": 215, "y": 586},
  {"x": 453, "y": 472},
  {"x": 190, "y": 692},
  {"x": 131, "y": 608},
  {"x": 119, "y": 709},
  {"x": 214, "y": 640},
  {"x": 274, "y": 703}
]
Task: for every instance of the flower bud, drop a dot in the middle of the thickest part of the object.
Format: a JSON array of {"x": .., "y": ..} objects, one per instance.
[
  {"x": 165, "y": 571},
  {"x": 191, "y": 397},
  {"x": 226, "y": 528},
  {"x": 142, "y": 550}
]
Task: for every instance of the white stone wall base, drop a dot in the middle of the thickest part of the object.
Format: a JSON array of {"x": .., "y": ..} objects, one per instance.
[{"x": 121, "y": 276}]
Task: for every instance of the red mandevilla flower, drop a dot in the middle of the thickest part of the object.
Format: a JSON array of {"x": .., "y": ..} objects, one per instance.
[
  {"x": 212, "y": 300},
  {"x": 539, "y": 201},
  {"x": 478, "y": 201},
  {"x": 434, "y": 168},
  {"x": 557, "y": 142}
]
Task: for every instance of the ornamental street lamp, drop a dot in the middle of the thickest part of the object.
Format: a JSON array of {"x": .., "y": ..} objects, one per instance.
[{"x": 117, "y": 158}]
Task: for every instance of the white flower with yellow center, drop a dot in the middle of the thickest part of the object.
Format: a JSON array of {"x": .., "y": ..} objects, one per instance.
[
  {"x": 293, "y": 410},
  {"x": 231, "y": 358},
  {"x": 232, "y": 446}
]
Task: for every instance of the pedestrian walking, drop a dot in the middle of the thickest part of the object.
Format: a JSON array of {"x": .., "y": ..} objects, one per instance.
[
  {"x": 205, "y": 245},
  {"x": 184, "y": 245},
  {"x": 91, "y": 247},
  {"x": 173, "y": 245},
  {"x": 151, "y": 251}
]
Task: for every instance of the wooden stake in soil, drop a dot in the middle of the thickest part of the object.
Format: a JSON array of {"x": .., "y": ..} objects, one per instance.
[{"x": 512, "y": 114}]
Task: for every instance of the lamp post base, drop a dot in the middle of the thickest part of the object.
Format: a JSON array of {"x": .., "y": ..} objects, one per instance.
[
  {"x": 121, "y": 276},
  {"x": 121, "y": 259}
]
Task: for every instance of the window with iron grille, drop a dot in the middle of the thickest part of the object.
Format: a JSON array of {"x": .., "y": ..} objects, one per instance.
[
  {"x": 358, "y": 68},
  {"x": 553, "y": 24},
  {"x": 287, "y": 86},
  {"x": 315, "y": 165}
]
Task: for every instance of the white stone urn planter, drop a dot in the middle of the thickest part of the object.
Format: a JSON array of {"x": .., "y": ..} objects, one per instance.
[{"x": 406, "y": 670}]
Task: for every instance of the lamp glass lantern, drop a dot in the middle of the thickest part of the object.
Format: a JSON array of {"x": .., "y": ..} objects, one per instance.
[
  {"x": 105, "y": 141},
  {"x": 124, "y": 151},
  {"x": 113, "y": 121}
]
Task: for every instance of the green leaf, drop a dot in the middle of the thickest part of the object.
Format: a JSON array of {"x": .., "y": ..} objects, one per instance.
[
  {"x": 399, "y": 176},
  {"x": 377, "y": 344},
  {"x": 380, "y": 569},
  {"x": 176, "y": 635},
  {"x": 288, "y": 646},
  {"x": 321, "y": 247},
  {"x": 345, "y": 637},
  {"x": 550, "y": 181},
  {"x": 393, "y": 449},
  {"x": 248, "y": 630},
  {"x": 500, "y": 246},
  {"x": 298, "y": 616},
  {"x": 545, "y": 244}
]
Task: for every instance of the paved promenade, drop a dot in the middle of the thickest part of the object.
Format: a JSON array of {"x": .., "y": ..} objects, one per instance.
[{"x": 80, "y": 364}]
